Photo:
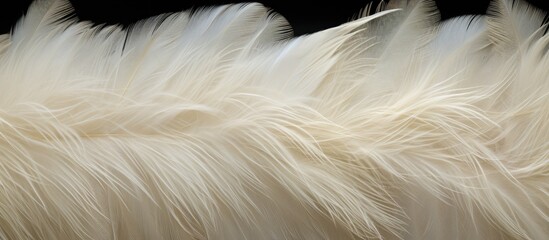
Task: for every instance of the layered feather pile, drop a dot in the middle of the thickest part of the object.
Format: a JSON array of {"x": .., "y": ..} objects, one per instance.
[{"x": 217, "y": 124}]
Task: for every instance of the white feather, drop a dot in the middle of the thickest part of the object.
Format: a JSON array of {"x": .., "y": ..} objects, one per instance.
[{"x": 217, "y": 124}]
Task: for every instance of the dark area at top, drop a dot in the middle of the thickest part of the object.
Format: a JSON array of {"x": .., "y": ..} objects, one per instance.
[{"x": 304, "y": 16}]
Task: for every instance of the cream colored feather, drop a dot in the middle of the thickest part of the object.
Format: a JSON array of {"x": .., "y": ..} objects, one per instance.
[{"x": 218, "y": 124}]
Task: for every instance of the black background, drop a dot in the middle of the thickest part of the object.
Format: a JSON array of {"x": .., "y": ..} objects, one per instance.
[{"x": 304, "y": 16}]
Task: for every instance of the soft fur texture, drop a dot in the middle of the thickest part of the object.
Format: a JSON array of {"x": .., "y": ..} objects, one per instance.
[{"x": 217, "y": 124}]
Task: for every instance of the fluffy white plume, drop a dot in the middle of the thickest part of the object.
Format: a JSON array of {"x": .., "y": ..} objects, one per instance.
[{"x": 217, "y": 124}]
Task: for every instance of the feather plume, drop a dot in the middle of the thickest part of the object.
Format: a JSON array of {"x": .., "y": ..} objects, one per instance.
[{"x": 218, "y": 124}]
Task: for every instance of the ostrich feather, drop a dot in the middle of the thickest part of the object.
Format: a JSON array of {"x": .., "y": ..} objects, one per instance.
[{"x": 218, "y": 124}]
